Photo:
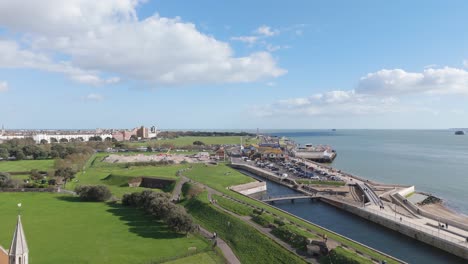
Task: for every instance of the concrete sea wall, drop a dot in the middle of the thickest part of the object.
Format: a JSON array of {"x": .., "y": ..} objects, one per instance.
[{"x": 434, "y": 240}]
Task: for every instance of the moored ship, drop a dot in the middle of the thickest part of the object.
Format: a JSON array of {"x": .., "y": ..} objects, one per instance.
[{"x": 318, "y": 153}]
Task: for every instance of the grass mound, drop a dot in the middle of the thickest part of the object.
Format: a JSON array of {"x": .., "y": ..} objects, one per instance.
[{"x": 249, "y": 245}]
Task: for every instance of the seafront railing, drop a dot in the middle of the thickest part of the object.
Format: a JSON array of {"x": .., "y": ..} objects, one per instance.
[{"x": 438, "y": 233}]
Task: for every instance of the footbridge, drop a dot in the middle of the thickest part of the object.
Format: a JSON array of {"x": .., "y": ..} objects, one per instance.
[
  {"x": 369, "y": 193},
  {"x": 290, "y": 197}
]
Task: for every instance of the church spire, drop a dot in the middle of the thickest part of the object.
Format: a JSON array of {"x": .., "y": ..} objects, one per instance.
[{"x": 19, "y": 248}]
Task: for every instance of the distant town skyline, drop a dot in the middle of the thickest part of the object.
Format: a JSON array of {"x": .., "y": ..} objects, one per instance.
[{"x": 233, "y": 65}]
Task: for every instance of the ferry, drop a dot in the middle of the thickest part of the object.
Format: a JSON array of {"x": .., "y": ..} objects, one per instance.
[
  {"x": 318, "y": 153},
  {"x": 459, "y": 132}
]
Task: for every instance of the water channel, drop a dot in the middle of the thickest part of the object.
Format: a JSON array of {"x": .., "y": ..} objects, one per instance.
[{"x": 359, "y": 229}]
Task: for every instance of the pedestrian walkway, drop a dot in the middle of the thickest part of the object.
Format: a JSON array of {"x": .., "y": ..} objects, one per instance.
[{"x": 221, "y": 244}]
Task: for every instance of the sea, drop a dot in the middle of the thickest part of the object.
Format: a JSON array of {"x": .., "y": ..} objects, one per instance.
[{"x": 434, "y": 161}]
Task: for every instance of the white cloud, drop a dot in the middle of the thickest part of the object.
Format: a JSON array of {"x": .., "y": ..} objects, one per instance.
[
  {"x": 106, "y": 37},
  {"x": 380, "y": 92},
  {"x": 3, "y": 87},
  {"x": 94, "y": 97},
  {"x": 246, "y": 39},
  {"x": 266, "y": 31},
  {"x": 465, "y": 63},
  {"x": 431, "y": 81},
  {"x": 12, "y": 56}
]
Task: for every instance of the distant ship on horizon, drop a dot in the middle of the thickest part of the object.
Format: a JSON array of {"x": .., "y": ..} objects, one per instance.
[{"x": 459, "y": 132}]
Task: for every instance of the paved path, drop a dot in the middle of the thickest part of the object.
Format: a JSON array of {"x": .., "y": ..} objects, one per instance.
[
  {"x": 227, "y": 251},
  {"x": 178, "y": 188}
]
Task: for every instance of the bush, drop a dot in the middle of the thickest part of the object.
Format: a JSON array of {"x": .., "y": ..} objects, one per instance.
[
  {"x": 288, "y": 235},
  {"x": 93, "y": 193},
  {"x": 279, "y": 222},
  {"x": 340, "y": 255},
  {"x": 263, "y": 220},
  {"x": 5, "y": 180}
]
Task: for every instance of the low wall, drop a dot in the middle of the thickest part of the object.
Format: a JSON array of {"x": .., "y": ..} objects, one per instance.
[
  {"x": 432, "y": 240},
  {"x": 406, "y": 191},
  {"x": 250, "y": 188}
]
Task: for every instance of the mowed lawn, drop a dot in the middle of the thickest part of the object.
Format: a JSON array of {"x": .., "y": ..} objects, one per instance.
[
  {"x": 26, "y": 165},
  {"x": 217, "y": 177},
  {"x": 99, "y": 172},
  {"x": 59, "y": 229},
  {"x": 185, "y": 141}
]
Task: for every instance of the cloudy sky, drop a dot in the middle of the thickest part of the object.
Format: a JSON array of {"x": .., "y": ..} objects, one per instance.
[{"x": 233, "y": 64}]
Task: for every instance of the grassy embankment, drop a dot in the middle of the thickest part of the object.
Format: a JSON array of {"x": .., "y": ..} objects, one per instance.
[
  {"x": 249, "y": 245},
  {"x": 61, "y": 229},
  {"x": 217, "y": 179}
]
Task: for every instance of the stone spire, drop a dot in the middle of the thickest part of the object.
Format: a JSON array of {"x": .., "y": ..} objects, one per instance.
[{"x": 19, "y": 248}]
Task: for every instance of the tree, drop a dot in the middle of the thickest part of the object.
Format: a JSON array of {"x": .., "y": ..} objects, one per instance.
[
  {"x": 149, "y": 149},
  {"x": 63, "y": 140},
  {"x": 179, "y": 221},
  {"x": 198, "y": 143},
  {"x": 4, "y": 154},
  {"x": 44, "y": 141},
  {"x": 19, "y": 154},
  {"x": 93, "y": 193},
  {"x": 133, "y": 138},
  {"x": 95, "y": 138},
  {"x": 5, "y": 181},
  {"x": 108, "y": 139},
  {"x": 66, "y": 172}
]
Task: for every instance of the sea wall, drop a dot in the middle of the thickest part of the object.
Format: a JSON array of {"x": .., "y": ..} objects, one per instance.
[{"x": 451, "y": 247}]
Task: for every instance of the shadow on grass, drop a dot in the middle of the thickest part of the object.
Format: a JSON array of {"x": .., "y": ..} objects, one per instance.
[
  {"x": 68, "y": 198},
  {"x": 142, "y": 224},
  {"x": 139, "y": 223}
]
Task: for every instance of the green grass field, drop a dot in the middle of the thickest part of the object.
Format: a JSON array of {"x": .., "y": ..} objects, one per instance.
[
  {"x": 98, "y": 172},
  {"x": 188, "y": 141},
  {"x": 60, "y": 229},
  {"x": 26, "y": 165},
  {"x": 215, "y": 178}
]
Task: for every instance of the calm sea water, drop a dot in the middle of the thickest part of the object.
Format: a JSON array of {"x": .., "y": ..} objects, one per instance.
[{"x": 435, "y": 161}]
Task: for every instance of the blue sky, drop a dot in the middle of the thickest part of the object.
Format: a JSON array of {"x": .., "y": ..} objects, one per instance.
[{"x": 233, "y": 64}]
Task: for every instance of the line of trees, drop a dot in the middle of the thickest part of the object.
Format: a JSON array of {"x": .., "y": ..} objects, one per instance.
[
  {"x": 159, "y": 206},
  {"x": 174, "y": 134},
  {"x": 26, "y": 148}
]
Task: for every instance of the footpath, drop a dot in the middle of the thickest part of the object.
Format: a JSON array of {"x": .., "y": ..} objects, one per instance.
[{"x": 229, "y": 255}]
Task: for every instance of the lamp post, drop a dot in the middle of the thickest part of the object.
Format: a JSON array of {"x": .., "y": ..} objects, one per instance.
[{"x": 395, "y": 212}]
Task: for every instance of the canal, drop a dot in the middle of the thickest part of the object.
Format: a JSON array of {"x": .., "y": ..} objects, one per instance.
[{"x": 359, "y": 229}]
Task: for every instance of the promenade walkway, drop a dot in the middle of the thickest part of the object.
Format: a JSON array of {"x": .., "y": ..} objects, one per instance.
[{"x": 221, "y": 244}]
